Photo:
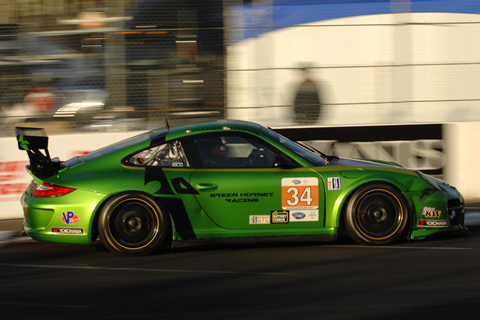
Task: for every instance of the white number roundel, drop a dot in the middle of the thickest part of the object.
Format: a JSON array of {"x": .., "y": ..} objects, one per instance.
[{"x": 299, "y": 193}]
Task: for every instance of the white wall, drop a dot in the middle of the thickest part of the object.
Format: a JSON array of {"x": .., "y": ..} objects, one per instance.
[
  {"x": 14, "y": 179},
  {"x": 462, "y": 147},
  {"x": 389, "y": 68}
]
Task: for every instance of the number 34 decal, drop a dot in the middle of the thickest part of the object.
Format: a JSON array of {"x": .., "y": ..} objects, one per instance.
[{"x": 299, "y": 193}]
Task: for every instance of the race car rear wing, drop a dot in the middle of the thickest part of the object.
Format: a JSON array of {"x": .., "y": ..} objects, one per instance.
[{"x": 33, "y": 140}]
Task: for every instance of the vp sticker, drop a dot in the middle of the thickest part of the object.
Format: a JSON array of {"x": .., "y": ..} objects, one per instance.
[{"x": 70, "y": 218}]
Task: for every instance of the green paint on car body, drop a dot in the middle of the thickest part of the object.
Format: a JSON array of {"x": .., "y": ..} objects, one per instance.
[{"x": 257, "y": 172}]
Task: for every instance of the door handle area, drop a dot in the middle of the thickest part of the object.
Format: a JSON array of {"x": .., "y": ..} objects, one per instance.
[{"x": 206, "y": 187}]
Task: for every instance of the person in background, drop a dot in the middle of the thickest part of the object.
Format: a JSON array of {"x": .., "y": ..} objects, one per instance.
[{"x": 307, "y": 100}]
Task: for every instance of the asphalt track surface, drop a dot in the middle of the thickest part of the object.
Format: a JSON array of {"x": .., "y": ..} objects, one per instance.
[{"x": 437, "y": 278}]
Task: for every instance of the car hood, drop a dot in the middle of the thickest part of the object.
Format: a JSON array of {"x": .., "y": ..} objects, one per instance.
[{"x": 347, "y": 162}]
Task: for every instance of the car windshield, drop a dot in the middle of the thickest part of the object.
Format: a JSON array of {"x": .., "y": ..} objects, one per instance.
[
  {"x": 308, "y": 155},
  {"x": 109, "y": 149}
]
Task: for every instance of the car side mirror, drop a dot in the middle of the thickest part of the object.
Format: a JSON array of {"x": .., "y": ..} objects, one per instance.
[{"x": 283, "y": 163}]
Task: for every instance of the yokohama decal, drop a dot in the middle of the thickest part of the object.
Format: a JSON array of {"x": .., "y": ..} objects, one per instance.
[
  {"x": 433, "y": 223},
  {"x": 67, "y": 230}
]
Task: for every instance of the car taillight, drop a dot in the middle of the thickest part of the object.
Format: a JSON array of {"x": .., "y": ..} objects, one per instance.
[{"x": 51, "y": 190}]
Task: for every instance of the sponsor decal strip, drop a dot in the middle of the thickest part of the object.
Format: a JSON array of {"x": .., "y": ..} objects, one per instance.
[
  {"x": 280, "y": 216},
  {"x": 260, "y": 219},
  {"x": 333, "y": 183},
  {"x": 63, "y": 230},
  {"x": 303, "y": 215},
  {"x": 431, "y": 212},
  {"x": 433, "y": 223}
]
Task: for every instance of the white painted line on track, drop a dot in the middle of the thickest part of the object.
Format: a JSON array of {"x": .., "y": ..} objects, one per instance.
[
  {"x": 30, "y": 304},
  {"x": 217, "y": 271},
  {"x": 397, "y": 247},
  {"x": 143, "y": 269}
]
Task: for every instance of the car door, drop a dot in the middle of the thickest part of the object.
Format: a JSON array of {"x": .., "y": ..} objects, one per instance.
[{"x": 239, "y": 187}]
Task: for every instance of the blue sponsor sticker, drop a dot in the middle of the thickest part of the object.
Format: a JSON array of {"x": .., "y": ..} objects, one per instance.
[
  {"x": 333, "y": 183},
  {"x": 297, "y": 181},
  {"x": 299, "y": 215}
]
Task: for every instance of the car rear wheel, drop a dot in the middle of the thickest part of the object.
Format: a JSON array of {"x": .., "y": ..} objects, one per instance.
[
  {"x": 376, "y": 214},
  {"x": 133, "y": 223}
]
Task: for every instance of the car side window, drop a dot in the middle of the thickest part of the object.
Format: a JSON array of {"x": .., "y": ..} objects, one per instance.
[
  {"x": 170, "y": 154},
  {"x": 232, "y": 151}
]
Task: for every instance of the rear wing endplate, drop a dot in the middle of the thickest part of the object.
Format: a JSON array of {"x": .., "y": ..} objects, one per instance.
[{"x": 33, "y": 140}]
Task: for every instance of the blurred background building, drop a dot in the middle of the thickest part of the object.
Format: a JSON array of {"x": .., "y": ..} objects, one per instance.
[
  {"x": 110, "y": 65},
  {"x": 102, "y": 65}
]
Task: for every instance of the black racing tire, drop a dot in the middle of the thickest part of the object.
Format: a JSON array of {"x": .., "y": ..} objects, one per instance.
[
  {"x": 377, "y": 214},
  {"x": 133, "y": 223}
]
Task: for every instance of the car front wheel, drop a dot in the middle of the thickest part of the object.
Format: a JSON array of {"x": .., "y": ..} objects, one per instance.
[
  {"x": 133, "y": 223},
  {"x": 376, "y": 214}
]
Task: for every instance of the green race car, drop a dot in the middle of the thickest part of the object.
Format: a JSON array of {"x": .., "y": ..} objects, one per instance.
[{"x": 225, "y": 179}]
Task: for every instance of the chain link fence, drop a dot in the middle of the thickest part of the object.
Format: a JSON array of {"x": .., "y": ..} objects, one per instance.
[
  {"x": 104, "y": 65},
  {"x": 76, "y": 66}
]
